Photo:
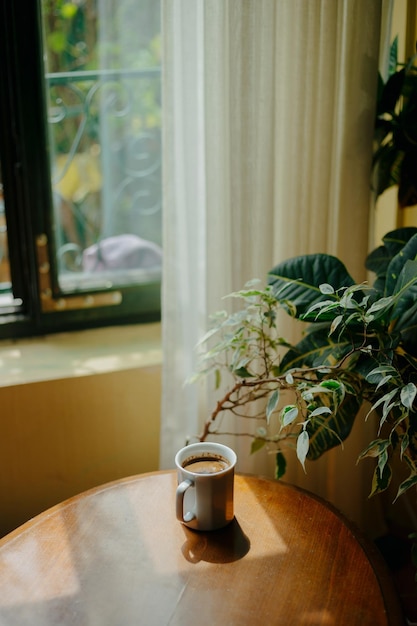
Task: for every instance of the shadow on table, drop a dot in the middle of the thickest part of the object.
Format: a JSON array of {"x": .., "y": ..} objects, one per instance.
[{"x": 217, "y": 546}]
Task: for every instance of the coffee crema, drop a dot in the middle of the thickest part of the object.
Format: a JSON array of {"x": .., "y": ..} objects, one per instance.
[{"x": 206, "y": 464}]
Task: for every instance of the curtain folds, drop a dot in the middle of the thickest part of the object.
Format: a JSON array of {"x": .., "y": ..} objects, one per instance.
[{"x": 269, "y": 108}]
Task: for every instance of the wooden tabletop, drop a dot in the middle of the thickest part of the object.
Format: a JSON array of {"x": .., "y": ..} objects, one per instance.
[{"x": 117, "y": 556}]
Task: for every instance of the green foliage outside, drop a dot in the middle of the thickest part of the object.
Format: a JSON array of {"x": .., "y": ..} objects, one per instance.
[
  {"x": 103, "y": 91},
  {"x": 78, "y": 38}
]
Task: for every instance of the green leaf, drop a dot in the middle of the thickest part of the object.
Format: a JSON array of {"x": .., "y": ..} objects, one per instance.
[
  {"x": 280, "y": 465},
  {"x": 288, "y": 414},
  {"x": 329, "y": 431},
  {"x": 316, "y": 349},
  {"x": 242, "y": 372},
  {"x": 386, "y": 161},
  {"x": 383, "y": 382},
  {"x": 257, "y": 444},
  {"x": 272, "y": 404},
  {"x": 404, "y": 444},
  {"x": 385, "y": 400},
  {"x": 395, "y": 240},
  {"x": 393, "y": 56},
  {"x": 68, "y": 10},
  {"x": 302, "y": 447},
  {"x": 379, "y": 307},
  {"x": 387, "y": 406},
  {"x": 381, "y": 482},
  {"x": 377, "y": 374},
  {"x": 347, "y": 301},
  {"x": 379, "y": 259},
  {"x": 207, "y": 336},
  {"x": 326, "y": 288},
  {"x": 408, "y": 393},
  {"x": 217, "y": 379},
  {"x": 321, "y": 410},
  {"x": 299, "y": 279},
  {"x": 335, "y": 323},
  {"x": 57, "y": 41},
  {"x": 407, "y": 253},
  {"x": 321, "y": 308},
  {"x": 405, "y": 297},
  {"x": 405, "y": 485},
  {"x": 332, "y": 385},
  {"x": 408, "y": 274},
  {"x": 374, "y": 448},
  {"x": 382, "y": 461}
]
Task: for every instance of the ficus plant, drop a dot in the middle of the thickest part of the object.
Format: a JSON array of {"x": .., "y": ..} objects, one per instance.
[{"x": 358, "y": 346}]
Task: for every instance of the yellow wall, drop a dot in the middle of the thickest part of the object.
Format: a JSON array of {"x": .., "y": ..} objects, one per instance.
[{"x": 61, "y": 437}]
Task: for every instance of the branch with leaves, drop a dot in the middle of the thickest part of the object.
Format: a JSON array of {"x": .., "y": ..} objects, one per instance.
[{"x": 359, "y": 346}]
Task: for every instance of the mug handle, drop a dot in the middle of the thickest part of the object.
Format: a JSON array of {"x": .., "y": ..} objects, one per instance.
[{"x": 181, "y": 489}]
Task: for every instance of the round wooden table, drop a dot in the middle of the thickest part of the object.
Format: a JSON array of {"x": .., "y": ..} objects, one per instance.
[{"x": 117, "y": 556}]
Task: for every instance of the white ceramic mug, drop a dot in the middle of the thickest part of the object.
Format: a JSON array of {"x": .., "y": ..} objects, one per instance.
[{"x": 204, "y": 498}]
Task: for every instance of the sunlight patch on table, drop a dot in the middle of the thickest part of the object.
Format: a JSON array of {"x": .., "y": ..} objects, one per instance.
[
  {"x": 36, "y": 562},
  {"x": 319, "y": 618}
]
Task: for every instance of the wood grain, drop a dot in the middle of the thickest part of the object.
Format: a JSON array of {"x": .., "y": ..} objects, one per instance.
[{"x": 116, "y": 555}]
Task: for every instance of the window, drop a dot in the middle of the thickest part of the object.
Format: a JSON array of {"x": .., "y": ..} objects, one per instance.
[{"x": 80, "y": 154}]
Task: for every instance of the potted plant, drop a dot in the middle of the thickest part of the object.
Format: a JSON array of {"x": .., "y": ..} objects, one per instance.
[{"x": 359, "y": 345}]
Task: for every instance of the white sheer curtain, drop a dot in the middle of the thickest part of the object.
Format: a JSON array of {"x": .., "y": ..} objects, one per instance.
[{"x": 268, "y": 137}]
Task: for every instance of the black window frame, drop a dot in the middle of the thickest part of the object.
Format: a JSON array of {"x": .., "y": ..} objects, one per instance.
[{"x": 28, "y": 195}]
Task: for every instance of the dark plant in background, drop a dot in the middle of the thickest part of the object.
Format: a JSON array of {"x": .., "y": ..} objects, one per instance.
[
  {"x": 395, "y": 155},
  {"x": 359, "y": 346}
]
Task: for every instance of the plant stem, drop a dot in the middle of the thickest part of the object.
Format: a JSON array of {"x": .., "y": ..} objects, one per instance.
[{"x": 256, "y": 382}]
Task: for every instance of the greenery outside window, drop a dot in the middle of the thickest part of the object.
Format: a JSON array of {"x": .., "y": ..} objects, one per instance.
[{"x": 80, "y": 154}]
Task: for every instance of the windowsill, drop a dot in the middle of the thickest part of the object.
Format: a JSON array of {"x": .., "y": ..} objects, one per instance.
[{"x": 81, "y": 353}]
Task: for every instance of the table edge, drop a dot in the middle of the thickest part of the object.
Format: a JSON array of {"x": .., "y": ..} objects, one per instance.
[{"x": 393, "y": 607}]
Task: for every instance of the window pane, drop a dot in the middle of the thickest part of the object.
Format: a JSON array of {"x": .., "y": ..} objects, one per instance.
[
  {"x": 102, "y": 81},
  {"x": 5, "y": 283},
  {"x": 8, "y": 303}
]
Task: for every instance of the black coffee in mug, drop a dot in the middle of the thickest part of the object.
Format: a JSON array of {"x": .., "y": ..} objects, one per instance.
[
  {"x": 204, "y": 496},
  {"x": 206, "y": 464}
]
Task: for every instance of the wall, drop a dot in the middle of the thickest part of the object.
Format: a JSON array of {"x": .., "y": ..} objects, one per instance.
[{"x": 63, "y": 435}]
